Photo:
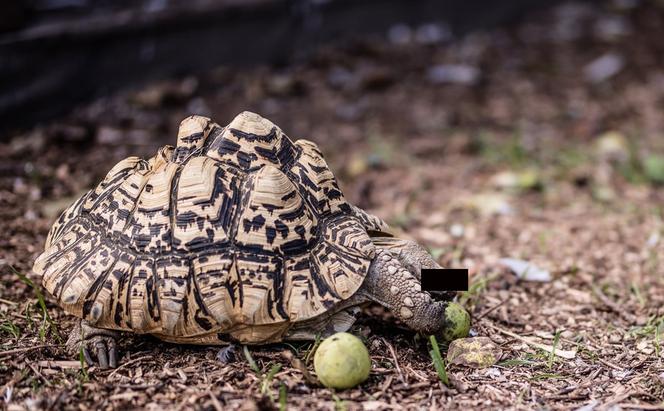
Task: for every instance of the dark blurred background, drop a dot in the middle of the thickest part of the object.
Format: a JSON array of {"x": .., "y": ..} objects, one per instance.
[{"x": 57, "y": 53}]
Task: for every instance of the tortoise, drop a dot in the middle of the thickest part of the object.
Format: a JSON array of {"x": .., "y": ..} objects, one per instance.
[{"x": 236, "y": 235}]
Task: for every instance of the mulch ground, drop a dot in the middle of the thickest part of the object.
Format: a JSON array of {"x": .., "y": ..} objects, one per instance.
[{"x": 535, "y": 141}]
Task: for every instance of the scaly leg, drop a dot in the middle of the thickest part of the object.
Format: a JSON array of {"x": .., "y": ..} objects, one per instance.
[
  {"x": 100, "y": 342},
  {"x": 391, "y": 284}
]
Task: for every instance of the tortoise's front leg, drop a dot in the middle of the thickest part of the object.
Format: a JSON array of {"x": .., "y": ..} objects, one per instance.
[
  {"x": 410, "y": 254},
  {"x": 392, "y": 285},
  {"x": 96, "y": 342}
]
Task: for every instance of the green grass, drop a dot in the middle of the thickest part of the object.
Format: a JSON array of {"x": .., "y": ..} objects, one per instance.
[
  {"x": 84, "y": 371},
  {"x": 282, "y": 397},
  {"x": 339, "y": 404},
  {"x": 552, "y": 356},
  {"x": 567, "y": 158},
  {"x": 658, "y": 333},
  {"x": 655, "y": 324},
  {"x": 475, "y": 290},
  {"x": 7, "y": 326},
  {"x": 438, "y": 361},
  {"x": 265, "y": 377},
  {"x": 268, "y": 377},
  {"x": 499, "y": 152},
  {"x": 250, "y": 360},
  {"x": 516, "y": 362},
  {"x": 547, "y": 376},
  {"x": 636, "y": 290},
  {"x": 48, "y": 325},
  {"x": 309, "y": 357}
]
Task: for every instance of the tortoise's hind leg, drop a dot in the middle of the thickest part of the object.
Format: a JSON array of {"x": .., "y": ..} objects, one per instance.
[
  {"x": 228, "y": 354},
  {"x": 98, "y": 341}
]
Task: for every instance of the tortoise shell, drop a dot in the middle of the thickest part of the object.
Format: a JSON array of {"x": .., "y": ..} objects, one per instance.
[{"x": 237, "y": 230}]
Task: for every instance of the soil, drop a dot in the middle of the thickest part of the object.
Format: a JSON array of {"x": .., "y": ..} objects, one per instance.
[{"x": 537, "y": 141}]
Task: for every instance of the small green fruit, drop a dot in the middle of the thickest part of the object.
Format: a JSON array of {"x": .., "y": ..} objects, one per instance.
[
  {"x": 457, "y": 322},
  {"x": 342, "y": 361},
  {"x": 653, "y": 166}
]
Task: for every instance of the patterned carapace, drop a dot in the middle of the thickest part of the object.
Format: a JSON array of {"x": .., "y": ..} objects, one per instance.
[{"x": 238, "y": 230}]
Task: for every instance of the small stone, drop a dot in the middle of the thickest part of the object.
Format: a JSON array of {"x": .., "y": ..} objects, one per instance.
[
  {"x": 400, "y": 34},
  {"x": 603, "y": 67},
  {"x": 490, "y": 204},
  {"x": 454, "y": 74},
  {"x": 432, "y": 33},
  {"x": 525, "y": 270},
  {"x": 457, "y": 230},
  {"x": 109, "y": 135},
  {"x": 517, "y": 181},
  {"x": 612, "y": 146}
]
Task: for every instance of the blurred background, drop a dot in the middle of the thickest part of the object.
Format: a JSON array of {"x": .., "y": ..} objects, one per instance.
[
  {"x": 418, "y": 105},
  {"x": 67, "y": 51}
]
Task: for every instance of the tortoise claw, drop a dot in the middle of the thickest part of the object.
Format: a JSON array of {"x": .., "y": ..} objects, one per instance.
[
  {"x": 227, "y": 354},
  {"x": 88, "y": 358},
  {"x": 102, "y": 355},
  {"x": 112, "y": 354},
  {"x": 98, "y": 345}
]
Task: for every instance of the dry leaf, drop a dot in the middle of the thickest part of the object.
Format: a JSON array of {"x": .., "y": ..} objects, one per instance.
[{"x": 475, "y": 352}]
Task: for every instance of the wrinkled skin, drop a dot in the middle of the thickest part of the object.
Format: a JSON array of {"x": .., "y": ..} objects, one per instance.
[{"x": 99, "y": 345}]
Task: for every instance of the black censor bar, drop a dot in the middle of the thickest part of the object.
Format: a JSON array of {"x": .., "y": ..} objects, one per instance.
[{"x": 445, "y": 279}]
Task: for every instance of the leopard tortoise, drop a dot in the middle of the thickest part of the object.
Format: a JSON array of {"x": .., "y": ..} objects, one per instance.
[{"x": 237, "y": 234}]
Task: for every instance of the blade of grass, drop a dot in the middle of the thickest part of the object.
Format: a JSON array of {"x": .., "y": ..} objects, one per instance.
[
  {"x": 552, "y": 356},
  {"x": 516, "y": 363},
  {"x": 438, "y": 361},
  {"x": 84, "y": 370},
  {"x": 282, "y": 397},
  {"x": 9, "y": 327},
  {"x": 42, "y": 304},
  {"x": 267, "y": 378},
  {"x": 310, "y": 354},
  {"x": 250, "y": 360},
  {"x": 339, "y": 404},
  {"x": 658, "y": 332}
]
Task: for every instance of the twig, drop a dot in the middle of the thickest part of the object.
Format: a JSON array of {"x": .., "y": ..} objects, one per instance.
[
  {"x": 490, "y": 310},
  {"x": 36, "y": 371},
  {"x": 396, "y": 362},
  {"x": 615, "y": 307},
  {"x": 65, "y": 364},
  {"x": 385, "y": 386},
  {"x": 610, "y": 365},
  {"x": 2, "y": 300},
  {"x": 24, "y": 349},
  {"x": 618, "y": 398},
  {"x": 568, "y": 355},
  {"x": 642, "y": 406},
  {"x": 126, "y": 364},
  {"x": 215, "y": 402}
]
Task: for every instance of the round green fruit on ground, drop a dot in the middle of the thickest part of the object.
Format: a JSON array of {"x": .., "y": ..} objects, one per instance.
[
  {"x": 342, "y": 361},
  {"x": 457, "y": 322}
]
